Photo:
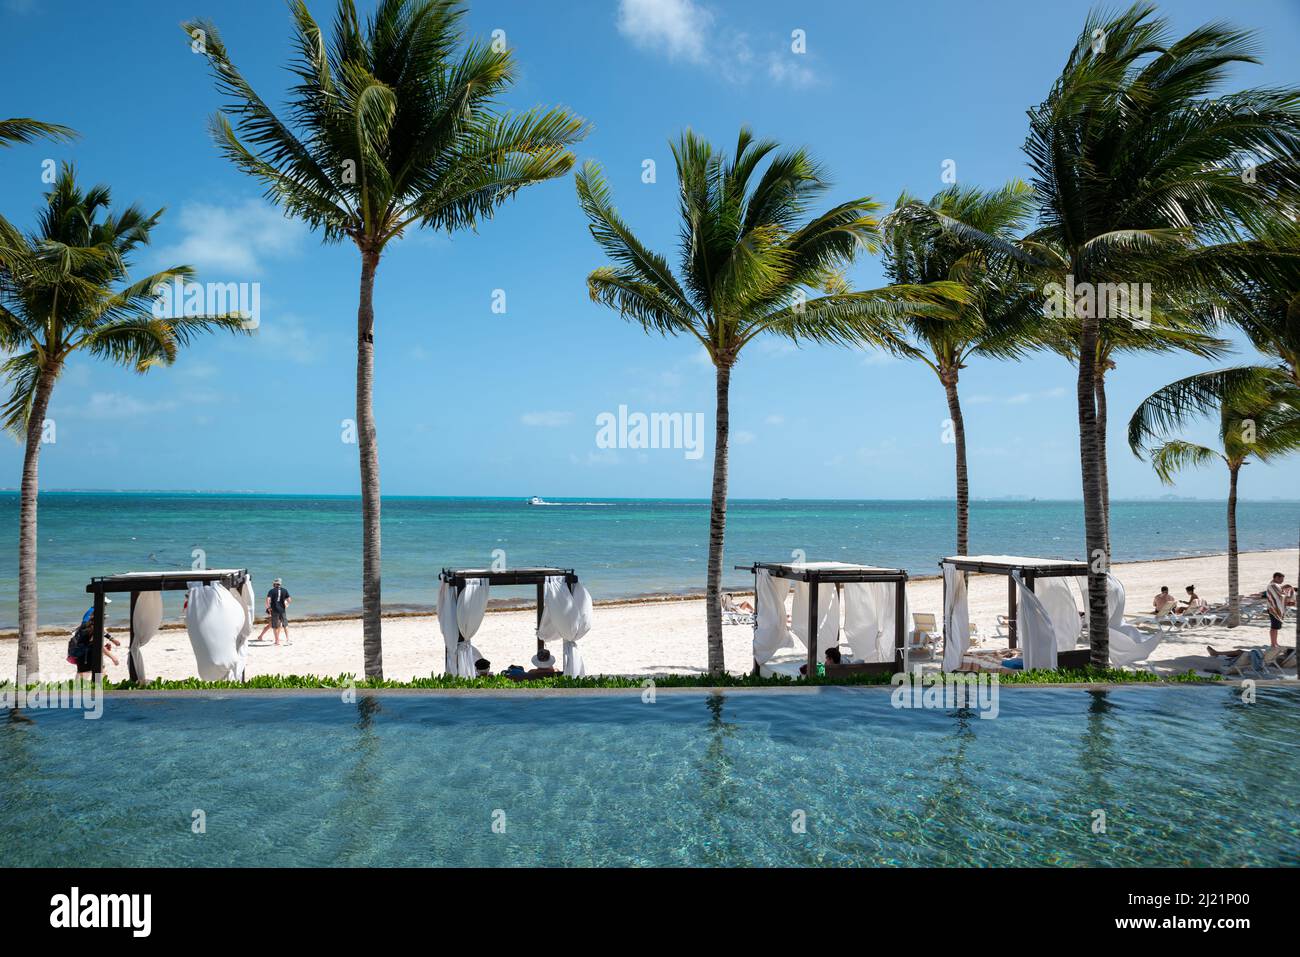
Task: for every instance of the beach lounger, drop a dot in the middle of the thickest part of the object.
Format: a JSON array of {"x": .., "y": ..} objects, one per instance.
[
  {"x": 924, "y": 635},
  {"x": 733, "y": 614}
]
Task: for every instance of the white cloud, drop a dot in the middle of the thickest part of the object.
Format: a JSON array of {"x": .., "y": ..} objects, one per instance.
[
  {"x": 788, "y": 71},
  {"x": 546, "y": 420},
  {"x": 117, "y": 405},
  {"x": 743, "y": 438},
  {"x": 774, "y": 420},
  {"x": 289, "y": 338},
  {"x": 678, "y": 28},
  {"x": 232, "y": 241}
]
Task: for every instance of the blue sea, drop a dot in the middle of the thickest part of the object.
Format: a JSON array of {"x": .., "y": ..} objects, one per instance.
[{"x": 620, "y": 547}]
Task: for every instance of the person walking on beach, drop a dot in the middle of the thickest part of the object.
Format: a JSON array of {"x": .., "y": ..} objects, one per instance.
[
  {"x": 1276, "y": 599},
  {"x": 277, "y": 612}
]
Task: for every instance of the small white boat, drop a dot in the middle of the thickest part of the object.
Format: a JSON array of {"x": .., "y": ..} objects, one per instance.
[{"x": 535, "y": 500}]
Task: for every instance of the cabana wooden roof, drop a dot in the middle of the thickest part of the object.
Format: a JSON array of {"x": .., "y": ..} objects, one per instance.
[
  {"x": 1006, "y": 564},
  {"x": 833, "y": 572},
  {"x": 166, "y": 581},
  {"x": 456, "y": 578}
]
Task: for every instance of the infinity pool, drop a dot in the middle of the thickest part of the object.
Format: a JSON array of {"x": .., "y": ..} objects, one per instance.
[{"x": 1185, "y": 776}]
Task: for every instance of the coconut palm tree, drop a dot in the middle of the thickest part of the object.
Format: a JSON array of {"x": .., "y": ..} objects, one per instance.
[
  {"x": 66, "y": 288},
  {"x": 20, "y": 129},
  {"x": 1000, "y": 317},
  {"x": 1261, "y": 430},
  {"x": 1146, "y": 173},
  {"x": 1173, "y": 333},
  {"x": 749, "y": 254},
  {"x": 391, "y": 126}
]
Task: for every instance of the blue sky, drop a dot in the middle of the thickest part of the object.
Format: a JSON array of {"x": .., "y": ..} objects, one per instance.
[{"x": 475, "y": 402}]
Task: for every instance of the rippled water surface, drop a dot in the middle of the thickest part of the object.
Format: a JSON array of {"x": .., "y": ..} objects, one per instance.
[{"x": 1185, "y": 776}]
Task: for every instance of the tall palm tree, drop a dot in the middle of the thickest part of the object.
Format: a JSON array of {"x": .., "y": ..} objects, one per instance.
[
  {"x": 391, "y": 126},
  {"x": 748, "y": 254},
  {"x": 1137, "y": 166},
  {"x": 1174, "y": 332},
  {"x": 1261, "y": 430},
  {"x": 66, "y": 288},
  {"x": 20, "y": 129},
  {"x": 1000, "y": 317}
]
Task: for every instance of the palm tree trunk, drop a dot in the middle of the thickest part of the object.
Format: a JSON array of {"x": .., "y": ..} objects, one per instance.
[
  {"x": 1101, "y": 458},
  {"x": 1098, "y": 556},
  {"x": 29, "y": 655},
  {"x": 371, "y": 622},
  {"x": 718, "y": 521},
  {"x": 949, "y": 380},
  {"x": 1234, "y": 598}
]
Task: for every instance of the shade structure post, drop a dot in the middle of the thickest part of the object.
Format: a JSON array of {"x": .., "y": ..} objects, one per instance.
[
  {"x": 97, "y": 636},
  {"x": 812, "y": 628},
  {"x": 130, "y": 648},
  {"x": 541, "y": 601},
  {"x": 1011, "y": 612},
  {"x": 754, "y": 571},
  {"x": 900, "y": 599}
]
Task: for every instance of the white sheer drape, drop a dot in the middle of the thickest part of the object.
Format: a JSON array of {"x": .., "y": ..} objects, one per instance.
[
  {"x": 956, "y": 617},
  {"x": 771, "y": 628},
  {"x": 1034, "y": 628},
  {"x": 828, "y": 616},
  {"x": 1058, "y": 601},
  {"x": 214, "y": 619},
  {"x": 146, "y": 620},
  {"x": 869, "y": 615},
  {"x": 566, "y": 617},
  {"x": 1128, "y": 645},
  {"x": 460, "y": 615}
]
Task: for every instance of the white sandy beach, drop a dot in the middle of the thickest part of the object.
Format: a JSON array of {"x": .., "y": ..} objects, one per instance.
[{"x": 667, "y": 637}]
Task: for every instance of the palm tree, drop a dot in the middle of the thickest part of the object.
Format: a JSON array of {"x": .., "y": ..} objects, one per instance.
[
  {"x": 748, "y": 256},
  {"x": 66, "y": 288},
  {"x": 1262, "y": 430},
  {"x": 390, "y": 127},
  {"x": 1000, "y": 316},
  {"x": 1138, "y": 171},
  {"x": 1173, "y": 332},
  {"x": 20, "y": 129}
]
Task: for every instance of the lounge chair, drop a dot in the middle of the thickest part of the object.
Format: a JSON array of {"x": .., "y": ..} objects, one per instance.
[
  {"x": 924, "y": 636},
  {"x": 733, "y": 614}
]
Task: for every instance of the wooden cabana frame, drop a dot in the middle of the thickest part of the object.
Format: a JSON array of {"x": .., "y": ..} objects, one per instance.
[
  {"x": 838, "y": 574},
  {"x": 134, "y": 583},
  {"x": 1029, "y": 569},
  {"x": 456, "y": 578}
]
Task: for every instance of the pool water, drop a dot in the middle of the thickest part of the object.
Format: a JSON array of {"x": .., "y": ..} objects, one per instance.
[{"x": 1185, "y": 776}]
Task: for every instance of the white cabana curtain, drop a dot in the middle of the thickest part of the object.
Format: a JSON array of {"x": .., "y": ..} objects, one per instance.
[
  {"x": 566, "y": 617},
  {"x": 869, "y": 616},
  {"x": 214, "y": 619},
  {"x": 1034, "y": 628},
  {"x": 461, "y": 615},
  {"x": 828, "y": 616},
  {"x": 145, "y": 623},
  {"x": 956, "y": 617},
  {"x": 1058, "y": 600},
  {"x": 1128, "y": 645},
  {"x": 771, "y": 629}
]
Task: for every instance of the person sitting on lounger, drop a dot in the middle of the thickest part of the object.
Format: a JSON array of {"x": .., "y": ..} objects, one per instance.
[
  {"x": 1164, "y": 601},
  {"x": 543, "y": 665},
  {"x": 1194, "y": 604},
  {"x": 729, "y": 603}
]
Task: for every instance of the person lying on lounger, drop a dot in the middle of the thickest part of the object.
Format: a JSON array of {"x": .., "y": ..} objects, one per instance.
[
  {"x": 543, "y": 667},
  {"x": 729, "y": 603}
]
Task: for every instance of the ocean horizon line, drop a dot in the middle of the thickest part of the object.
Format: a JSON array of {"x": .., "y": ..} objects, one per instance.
[{"x": 568, "y": 499}]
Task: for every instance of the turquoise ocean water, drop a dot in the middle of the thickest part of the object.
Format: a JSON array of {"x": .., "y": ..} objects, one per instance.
[{"x": 621, "y": 547}]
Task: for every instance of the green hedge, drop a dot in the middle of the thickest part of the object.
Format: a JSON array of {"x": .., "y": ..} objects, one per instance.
[{"x": 440, "y": 682}]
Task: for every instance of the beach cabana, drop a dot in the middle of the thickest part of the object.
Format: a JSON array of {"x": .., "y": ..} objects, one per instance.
[
  {"x": 563, "y": 612},
  {"x": 873, "y": 625},
  {"x": 1042, "y": 615},
  {"x": 218, "y": 617}
]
